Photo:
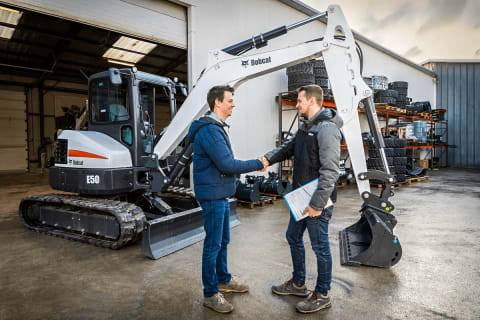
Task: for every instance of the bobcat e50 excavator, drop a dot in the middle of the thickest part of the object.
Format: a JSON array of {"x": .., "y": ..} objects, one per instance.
[{"x": 125, "y": 178}]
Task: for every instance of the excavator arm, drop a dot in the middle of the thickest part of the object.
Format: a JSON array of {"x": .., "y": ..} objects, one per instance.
[{"x": 370, "y": 241}]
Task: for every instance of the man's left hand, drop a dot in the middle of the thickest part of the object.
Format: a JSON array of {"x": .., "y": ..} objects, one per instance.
[{"x": 312, "y": 212}]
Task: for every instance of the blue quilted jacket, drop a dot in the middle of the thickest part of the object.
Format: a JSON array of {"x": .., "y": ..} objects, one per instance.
[{"x": 214, "y": 167}]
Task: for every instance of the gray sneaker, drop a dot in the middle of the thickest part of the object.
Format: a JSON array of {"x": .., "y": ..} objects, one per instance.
[
  {"x": 289, "y": 288},
  {"x": 218, "y": 303},
  {"x": 232, "y": 286},
  {"x": 314, "y": 303}
]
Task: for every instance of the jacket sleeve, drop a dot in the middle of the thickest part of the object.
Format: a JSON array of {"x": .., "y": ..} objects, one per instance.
[
  {"x": 329, "y": 139},
  {"x": 284, "y": 151},
  {"x": 216, "y": 147}
]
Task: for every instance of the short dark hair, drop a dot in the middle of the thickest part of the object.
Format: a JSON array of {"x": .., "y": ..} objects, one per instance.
[
  {"x": 313, "y": 90},
  {"x": 217, "y": 92}
]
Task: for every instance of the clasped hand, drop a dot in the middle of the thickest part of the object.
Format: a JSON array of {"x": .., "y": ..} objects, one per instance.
[{"x": 264, "y": 162}]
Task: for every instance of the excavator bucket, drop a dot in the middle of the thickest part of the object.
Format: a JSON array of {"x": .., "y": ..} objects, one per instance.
[
  {"x": 370, "y": 241},
  {"x": 168, "y": 234}
]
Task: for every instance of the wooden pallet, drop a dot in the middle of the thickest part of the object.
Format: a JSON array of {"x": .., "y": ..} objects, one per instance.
[
  {"x": 395, "y": 185},
  {"x": 342, "y": 185},
  {"x": 274, "y": 197},
  {"x": 384, "y": 106},
  {"x": 407, "y": 181},
  {"x": 417, "y": 179},
  {"x": 252, "y": 204}
]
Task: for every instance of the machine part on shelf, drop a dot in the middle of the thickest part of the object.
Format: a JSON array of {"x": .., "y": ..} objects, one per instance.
[
  {"x": 400, "y": 161},
  {"x": 398, "y": 84},
  {"x": 250, "y": 190},
  {"x": 379, "y": 82},
  {"x": 297, "y": 80},
  {"x": 322, "y": 82},
  {"x": 391, "y": 101},
  {"x": 274, "y": 185},
  {"x": 319, "y": 70},
  {"x": 378, "y": 162},
  {"x": 387, "y": 93},
  {"x": 401, "y": 169},
  {"x": 303, "y": 67},
  {"x": 417, "y": 172},
  {"x": 421, "y": 106},
  {"x": 399, "y": 152},
  {"x": 344, "y": 174},
  {"x": 375, "y": 153},
  {"x": 368, "y": 81}
]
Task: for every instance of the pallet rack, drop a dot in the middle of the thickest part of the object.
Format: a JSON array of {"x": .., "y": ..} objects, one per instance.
[{"x": 286, "y": 101}]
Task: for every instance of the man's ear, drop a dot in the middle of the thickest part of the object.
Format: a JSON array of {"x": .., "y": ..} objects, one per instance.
[
  {"x": 311, "y": 100},
  {"x": 217, "y": 102}
]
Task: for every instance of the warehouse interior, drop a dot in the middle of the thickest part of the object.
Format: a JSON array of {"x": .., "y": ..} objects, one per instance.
[
  {"x": 46, "y": 60},
  {"x": 432, "y": 149}
]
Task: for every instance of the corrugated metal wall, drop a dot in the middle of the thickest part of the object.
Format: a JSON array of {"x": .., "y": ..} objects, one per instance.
[{"x": 458, "y": 91}]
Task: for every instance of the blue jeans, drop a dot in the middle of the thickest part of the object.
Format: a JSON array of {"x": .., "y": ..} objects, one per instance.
[
  {"x": 318, "y": 232},
  {"x": 216, "y": 221}
]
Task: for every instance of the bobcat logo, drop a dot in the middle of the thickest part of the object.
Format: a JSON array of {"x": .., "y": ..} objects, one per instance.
[{"x": 244, "y": 63}]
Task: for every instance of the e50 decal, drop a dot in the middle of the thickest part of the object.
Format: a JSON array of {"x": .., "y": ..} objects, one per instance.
[{"x": 93, "y": 179}]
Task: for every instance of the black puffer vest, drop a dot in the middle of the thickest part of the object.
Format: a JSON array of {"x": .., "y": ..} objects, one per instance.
[{"x": 307, "y": 163}]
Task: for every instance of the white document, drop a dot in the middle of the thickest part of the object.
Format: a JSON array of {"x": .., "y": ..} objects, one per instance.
[{"x": 299, "y": 199}]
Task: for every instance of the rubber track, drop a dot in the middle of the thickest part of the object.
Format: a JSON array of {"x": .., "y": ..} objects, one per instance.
[{"x": 130, "y": 218}]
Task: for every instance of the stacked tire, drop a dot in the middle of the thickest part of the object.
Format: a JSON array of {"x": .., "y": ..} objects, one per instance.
[
  {"x": 395, "y": 153},
  {"x": 321, "y": 76},
  {"x": 420, "y": 106},
  {"x": 402, "y": 88},
  {"x": 386, "y": 96},
  {"x": 300, "y": 75}
]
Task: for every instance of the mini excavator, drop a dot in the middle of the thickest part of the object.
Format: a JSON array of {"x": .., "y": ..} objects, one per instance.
[{"x": 124, "y": 181}]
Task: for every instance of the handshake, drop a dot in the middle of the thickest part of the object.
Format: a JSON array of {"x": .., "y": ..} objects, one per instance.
[{"x": 265, "y": 163}]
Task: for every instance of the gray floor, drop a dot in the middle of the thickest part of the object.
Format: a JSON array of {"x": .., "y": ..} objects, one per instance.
[{"x": 44, "y": 277}]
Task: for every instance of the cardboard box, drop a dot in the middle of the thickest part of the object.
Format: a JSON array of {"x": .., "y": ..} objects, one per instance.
[{"x": 422, "y": 163}]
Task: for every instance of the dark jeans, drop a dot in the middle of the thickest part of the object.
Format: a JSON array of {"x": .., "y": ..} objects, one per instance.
[
  {"x": 318, "y": 232},
  {"x": 216, "y": 221}
]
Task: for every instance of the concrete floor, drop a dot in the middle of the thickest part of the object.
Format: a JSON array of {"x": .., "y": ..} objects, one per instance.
[{"x": 438, "y": 277}]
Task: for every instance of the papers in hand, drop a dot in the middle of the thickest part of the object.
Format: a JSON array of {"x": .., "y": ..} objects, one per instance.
[{"x": 299, "y": 199}]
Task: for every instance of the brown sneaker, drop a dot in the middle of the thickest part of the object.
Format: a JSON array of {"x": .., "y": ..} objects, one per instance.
[
  {"x": 289, "y": 288},
  {"x": 315, "y": 302},
  {"x": 232, "y": 286},
  {"x": 218, "y": 303}
]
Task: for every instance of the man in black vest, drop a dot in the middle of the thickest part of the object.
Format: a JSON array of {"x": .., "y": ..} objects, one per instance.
[{"x": 316, "y": 151}]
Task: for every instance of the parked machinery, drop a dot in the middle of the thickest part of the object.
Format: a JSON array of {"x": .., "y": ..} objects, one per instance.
[
  {"x": 274, "y": 185},
  {"x": 126, "y": 180}
]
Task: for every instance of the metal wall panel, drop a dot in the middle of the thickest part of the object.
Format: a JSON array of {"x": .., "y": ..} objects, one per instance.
[
  {"x": 13, "y": 131},
  {"x": 459, "y": 93}
]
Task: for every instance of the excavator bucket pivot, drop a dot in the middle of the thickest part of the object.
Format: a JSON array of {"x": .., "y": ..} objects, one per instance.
[
  {"x": 370, "y": 241},
  {"x": 168, "y": 234}
]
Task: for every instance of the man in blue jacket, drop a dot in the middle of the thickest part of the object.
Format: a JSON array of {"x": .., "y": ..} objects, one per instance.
[{"x": 214, "y": 174}]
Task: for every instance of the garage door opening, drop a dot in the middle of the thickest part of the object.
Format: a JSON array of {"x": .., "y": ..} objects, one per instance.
[{"x": 43, "y": 86}]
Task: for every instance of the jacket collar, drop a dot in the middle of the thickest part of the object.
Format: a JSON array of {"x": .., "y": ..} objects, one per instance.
[{"x": 214, "y": 116}]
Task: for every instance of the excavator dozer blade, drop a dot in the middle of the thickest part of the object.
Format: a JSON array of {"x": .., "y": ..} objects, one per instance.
[
  {"x": 370, "y": 241},
  {"x": 168, "y": 234}
]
